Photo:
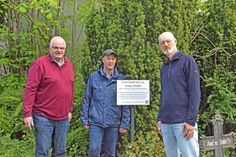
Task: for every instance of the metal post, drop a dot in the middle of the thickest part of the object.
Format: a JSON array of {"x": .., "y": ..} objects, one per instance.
[{"x": 132, "y": 131}]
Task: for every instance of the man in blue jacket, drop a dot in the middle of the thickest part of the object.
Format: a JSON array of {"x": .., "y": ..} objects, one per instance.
[
  {"x": 180, "y": 99},
  {"x": 100, "y": 112}
]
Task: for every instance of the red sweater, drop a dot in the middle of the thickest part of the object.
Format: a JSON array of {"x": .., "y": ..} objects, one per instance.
[{"x": 49, "y": 89}]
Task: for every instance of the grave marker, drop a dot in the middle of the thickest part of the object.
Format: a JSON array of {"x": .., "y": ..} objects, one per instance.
[{"x": 219, "y": 140}]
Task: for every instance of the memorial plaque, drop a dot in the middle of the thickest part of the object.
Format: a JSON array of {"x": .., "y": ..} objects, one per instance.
[{"x": 133, "y": 92}]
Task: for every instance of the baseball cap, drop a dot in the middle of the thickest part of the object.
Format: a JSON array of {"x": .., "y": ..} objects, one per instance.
[{"x": 108, "y": 52}]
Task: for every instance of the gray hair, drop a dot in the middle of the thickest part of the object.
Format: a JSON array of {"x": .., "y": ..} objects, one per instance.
[
  {"x": 57, "y": 38},
  {"x": 171, "y": 35}
]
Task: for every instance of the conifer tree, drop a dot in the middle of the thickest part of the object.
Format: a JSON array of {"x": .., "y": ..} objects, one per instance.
[{"x": 133, "y": 34}]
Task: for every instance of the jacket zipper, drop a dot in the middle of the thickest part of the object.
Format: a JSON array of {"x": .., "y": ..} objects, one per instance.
[{"x": 168, "y": 75}]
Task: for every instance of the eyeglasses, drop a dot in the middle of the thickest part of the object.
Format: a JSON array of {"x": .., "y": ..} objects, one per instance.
[
  {"x": 165, "y": 42},
  {"x": 58, "y": 48}
]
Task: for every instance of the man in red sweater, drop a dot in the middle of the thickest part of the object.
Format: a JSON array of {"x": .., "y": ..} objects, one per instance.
[{"x": 48, "y": 99}]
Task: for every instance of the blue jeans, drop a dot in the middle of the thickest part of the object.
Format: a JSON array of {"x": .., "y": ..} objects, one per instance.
[
  {"x": 50, "y": 132},
  {"x": 97, "y": 135},
  {"x": 175, "y": 142}
]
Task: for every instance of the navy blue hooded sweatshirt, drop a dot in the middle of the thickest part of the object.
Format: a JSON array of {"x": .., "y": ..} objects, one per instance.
[{"x": 180, "y": 90}]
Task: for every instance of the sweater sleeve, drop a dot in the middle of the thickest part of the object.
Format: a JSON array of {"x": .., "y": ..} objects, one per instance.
[
  {"x": 33, "y": 80},
  {"x": 72, "y": 96},
  {"x": 193, "y": 81},
  {"x": 159, "y": 112}
]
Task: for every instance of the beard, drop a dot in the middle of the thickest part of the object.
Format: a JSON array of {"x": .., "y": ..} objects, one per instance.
[
  {"x": 165, "y": 52},
  {"x": 169, "y": 51}
]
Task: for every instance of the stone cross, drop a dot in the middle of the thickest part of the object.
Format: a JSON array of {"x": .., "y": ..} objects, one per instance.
[{"x": 219, "y": 140}]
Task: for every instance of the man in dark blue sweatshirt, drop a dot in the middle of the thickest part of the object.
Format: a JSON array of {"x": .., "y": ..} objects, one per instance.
[{"x": 180, "y": 99}]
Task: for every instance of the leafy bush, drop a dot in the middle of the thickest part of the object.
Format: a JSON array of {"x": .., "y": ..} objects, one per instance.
[
  {"x": 14, "y": 147},
  {"x": 148, "y": 145}
]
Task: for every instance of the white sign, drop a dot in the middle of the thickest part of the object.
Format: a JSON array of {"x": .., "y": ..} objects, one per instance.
[{"x": 133, "y": 92}]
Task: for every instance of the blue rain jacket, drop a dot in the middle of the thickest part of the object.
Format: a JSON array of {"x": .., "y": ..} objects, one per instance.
[{"x": 99, "y": 103}]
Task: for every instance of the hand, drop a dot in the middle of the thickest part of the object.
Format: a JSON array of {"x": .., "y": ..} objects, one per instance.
[
  {"x": 188, "y": 131},
  {"x": 70, "y": 116},
  {"x": 122, "y": 131},
  {"x": 86, "y": 126},
  {"x": 29, "y": 123},
  {"x": 158, "y": 125}
]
